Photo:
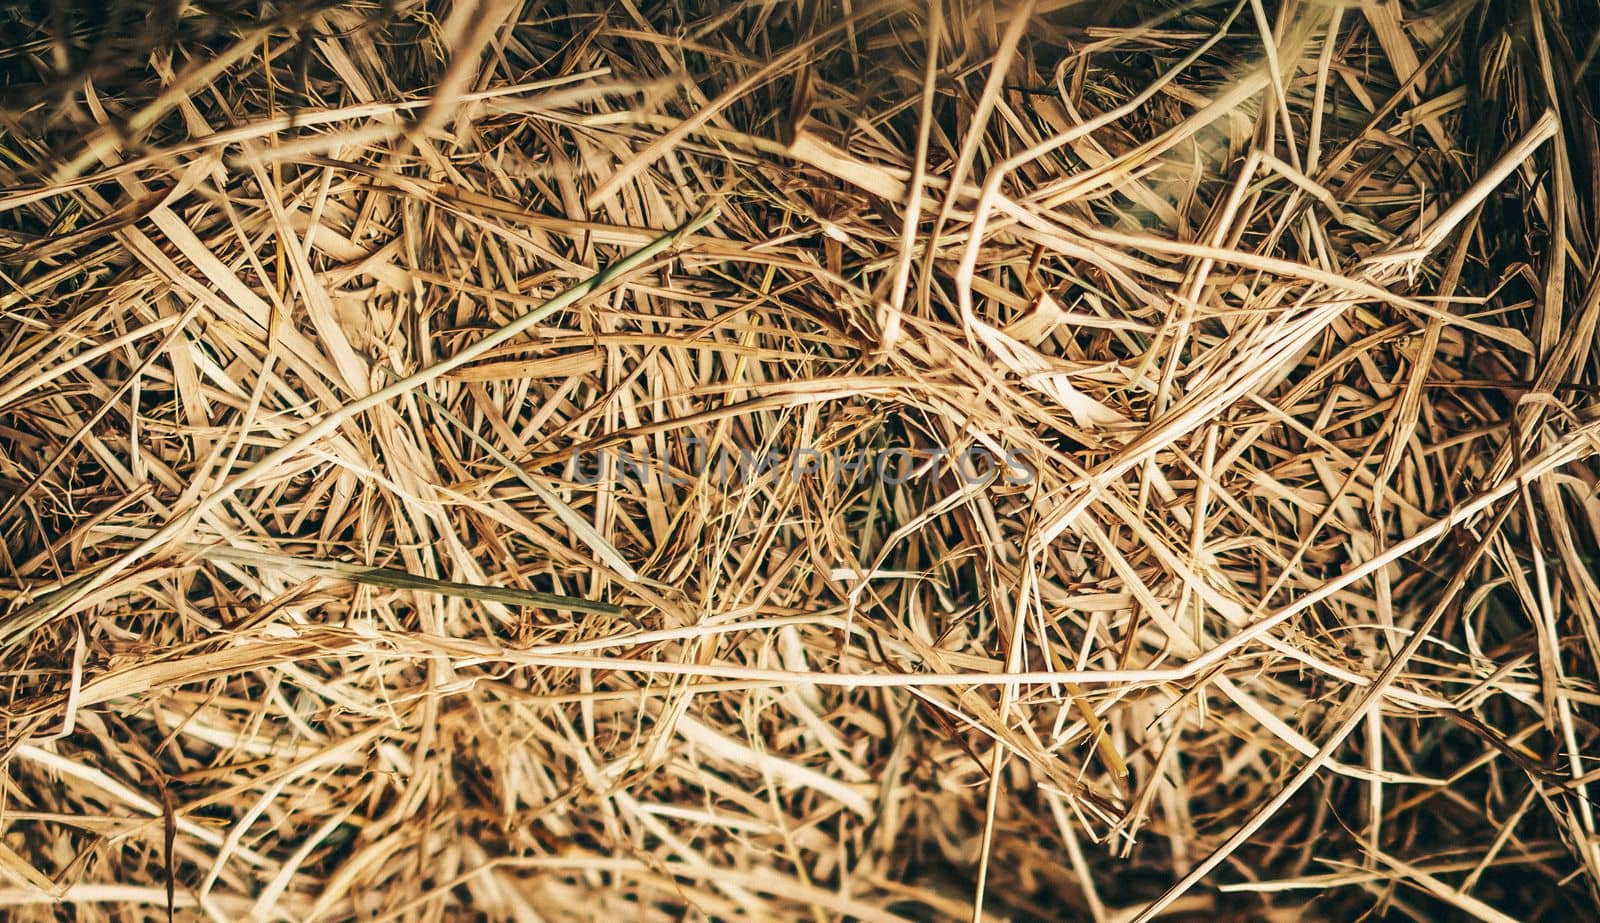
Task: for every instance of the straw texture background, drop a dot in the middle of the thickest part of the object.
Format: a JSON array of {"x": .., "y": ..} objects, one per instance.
[{"x": 312, "y": 315}]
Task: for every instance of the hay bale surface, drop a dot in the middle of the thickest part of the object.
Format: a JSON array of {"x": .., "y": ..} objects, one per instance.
[{"x": 360, "y": 366}]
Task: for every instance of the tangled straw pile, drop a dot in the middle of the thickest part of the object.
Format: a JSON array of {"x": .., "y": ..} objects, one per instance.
[{"x": 314, "y": 320}]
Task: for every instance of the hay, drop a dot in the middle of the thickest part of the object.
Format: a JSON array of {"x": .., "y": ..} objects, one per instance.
[{"x": 1273, "y": 325}]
